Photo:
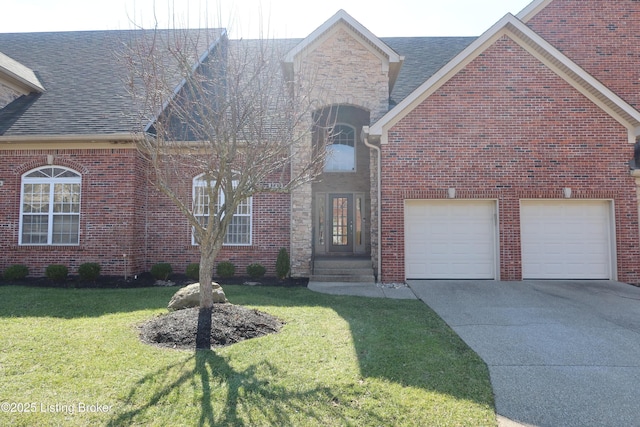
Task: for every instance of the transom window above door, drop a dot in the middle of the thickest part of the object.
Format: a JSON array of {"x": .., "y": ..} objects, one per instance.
[{"x": 341, "y": 150}]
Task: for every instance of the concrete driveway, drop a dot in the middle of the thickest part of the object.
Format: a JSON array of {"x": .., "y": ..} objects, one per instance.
[{"x": 560, "y": 353}]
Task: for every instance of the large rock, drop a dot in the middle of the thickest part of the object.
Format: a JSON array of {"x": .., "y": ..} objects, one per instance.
[{"x": 189, "y": 296}]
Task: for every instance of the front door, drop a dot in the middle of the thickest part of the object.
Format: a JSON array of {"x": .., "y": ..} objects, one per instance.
[{"x": 341, "y": 222}]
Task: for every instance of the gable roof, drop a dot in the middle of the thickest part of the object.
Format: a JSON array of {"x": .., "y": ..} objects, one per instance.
[
  {"x": 85, "y": 79},
  {"x": 369, "y": 39},
  {"x": 509, "y": 25},
  {"x": 18, "y": 74}
]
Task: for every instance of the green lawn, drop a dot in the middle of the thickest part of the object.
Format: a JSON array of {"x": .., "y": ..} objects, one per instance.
[{"x": 72, "y": 357}]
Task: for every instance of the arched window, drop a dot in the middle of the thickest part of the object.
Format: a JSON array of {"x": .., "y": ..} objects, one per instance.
[
  {"x": 239, "y": 229},
  {"x": 50, "y": 207},
  {"x": 341, "y": 149}
]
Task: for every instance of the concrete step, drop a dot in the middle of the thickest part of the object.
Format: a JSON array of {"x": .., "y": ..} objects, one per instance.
[
  {"x": 343, "y": 278},
  {"x": 343, "y": 269},
  {"x": 342, "y": 263}
]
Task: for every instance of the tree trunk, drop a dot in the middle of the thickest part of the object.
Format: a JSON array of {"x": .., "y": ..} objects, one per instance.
[{"x": 203, "y": 335}]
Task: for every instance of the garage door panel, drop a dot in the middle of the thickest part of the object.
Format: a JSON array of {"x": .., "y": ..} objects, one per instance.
[
  {"x": 568, "y": 239},
  {"x": 450, "y": 239}
]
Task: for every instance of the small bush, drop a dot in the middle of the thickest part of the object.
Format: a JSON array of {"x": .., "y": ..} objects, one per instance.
[
  {"x": 89, "y": 271},
  {"x": 16, "y": 272},
  {"x": 283, "y": 264},
  {"x": 57, "y": 272},
  {"x": 193, "y": 271},
  {"x": 226, "y": 269},
  {"x": 256, "y": 271},
  {"x": 161, "y": 270}
]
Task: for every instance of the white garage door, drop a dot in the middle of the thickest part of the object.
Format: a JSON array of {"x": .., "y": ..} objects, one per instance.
[
  {"x": 565, "y": 239},
  {"x": 450, "y": 239}
]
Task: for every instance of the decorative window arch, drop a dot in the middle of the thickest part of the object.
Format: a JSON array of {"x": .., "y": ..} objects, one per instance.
[
  {"x": 239, "y": 230},
  {"x": 341, "y": 149},
  {"x": 50, "y": 206}
]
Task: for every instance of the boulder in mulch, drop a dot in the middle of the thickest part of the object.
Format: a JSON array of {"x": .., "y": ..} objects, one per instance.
[{"x": 189, "y": 296}]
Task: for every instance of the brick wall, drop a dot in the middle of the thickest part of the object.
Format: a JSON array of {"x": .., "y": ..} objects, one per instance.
[
  {"x": 169, "y": 235},
  {"x": 122, "y": 214},
  {"x": 107, "y": 209},
  {"x": 600, "y": 36},
  {"x": 507, "y": 128}
]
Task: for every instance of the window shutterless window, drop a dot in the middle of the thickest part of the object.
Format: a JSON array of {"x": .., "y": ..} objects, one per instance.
[
  {"x": 50, "y": 207},
  {"x": 239, "y": 229},
  {"x": 341, "y": 149}
]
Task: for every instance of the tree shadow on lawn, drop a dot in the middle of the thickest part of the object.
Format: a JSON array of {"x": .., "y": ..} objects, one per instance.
[
  {"x": 215, "y": 381},
  {"x": 26, "y": 301},
  {"x": 402, "y": 341}
]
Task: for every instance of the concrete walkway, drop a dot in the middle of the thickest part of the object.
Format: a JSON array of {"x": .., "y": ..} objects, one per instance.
[
  {"x": 372, "y": 290},
  {"x": 560, "y": 353}
]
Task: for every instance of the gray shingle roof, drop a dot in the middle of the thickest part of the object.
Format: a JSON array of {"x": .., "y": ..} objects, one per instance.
[
  {"x": 84, "y": 83},
  {"x": 84, "y": 80},
  {"x": 424, "y": 56}
]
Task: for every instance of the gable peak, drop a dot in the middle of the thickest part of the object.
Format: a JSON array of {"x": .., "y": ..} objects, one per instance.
[{"x": 342, "y": 17}]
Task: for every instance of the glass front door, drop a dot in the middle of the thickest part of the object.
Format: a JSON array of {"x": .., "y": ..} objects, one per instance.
[{"x": 341, "y": 222}]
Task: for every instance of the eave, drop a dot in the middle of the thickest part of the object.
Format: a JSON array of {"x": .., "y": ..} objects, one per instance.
[
  {"x": 9, "y": 142},
  {"x": 510, "y": 26},
  {"x": 18, "y": 76}
]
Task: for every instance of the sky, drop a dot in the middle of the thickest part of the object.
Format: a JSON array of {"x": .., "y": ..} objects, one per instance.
[{"x": 259, "y": 18}]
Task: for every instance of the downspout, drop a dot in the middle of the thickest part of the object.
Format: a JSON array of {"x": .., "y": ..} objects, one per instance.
[{"x": 365, "y": 134}]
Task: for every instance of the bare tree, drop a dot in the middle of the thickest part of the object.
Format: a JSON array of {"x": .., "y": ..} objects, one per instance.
[{"x": 229, "y": 117}]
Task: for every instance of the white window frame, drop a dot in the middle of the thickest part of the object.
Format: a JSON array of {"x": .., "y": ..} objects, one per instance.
[
  {"x": 53, "y": 177},
  {"x": 244, "y": 210},
  {"x": 333, "y": 166}
]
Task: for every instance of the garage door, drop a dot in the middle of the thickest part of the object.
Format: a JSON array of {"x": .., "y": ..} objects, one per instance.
[
  {"x": 450, "y": 239},
  {"x": 566, "y": 239}
]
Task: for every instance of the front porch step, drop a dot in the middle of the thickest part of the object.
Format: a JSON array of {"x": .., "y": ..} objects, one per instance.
[{"x": 343, "y": 269}]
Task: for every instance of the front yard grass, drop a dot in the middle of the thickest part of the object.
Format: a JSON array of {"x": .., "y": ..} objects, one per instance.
[{"x": 73, "y": 357}]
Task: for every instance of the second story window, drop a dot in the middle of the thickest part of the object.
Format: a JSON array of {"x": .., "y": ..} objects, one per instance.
[{"x": 341, "y": 150}]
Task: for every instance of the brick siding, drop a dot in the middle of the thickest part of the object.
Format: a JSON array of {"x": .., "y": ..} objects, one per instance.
[
  {"x": 507, "y": 128},
  {"x": 122, "y": 214},
  {"x": 600, "y": 36}
]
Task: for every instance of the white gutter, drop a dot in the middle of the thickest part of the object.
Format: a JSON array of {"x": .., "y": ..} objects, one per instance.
[{"x": 365, "y": 131}]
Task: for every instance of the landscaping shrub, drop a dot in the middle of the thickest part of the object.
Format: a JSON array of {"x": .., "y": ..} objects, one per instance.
[
  {"x": 161, "y": 270},
  {"x": 193, "y": 271},
  {"x": 226, "y": 269},
  {"x": 256, "y": 270},
  {"x": 89, "y": 271},
  {"x": 16, "y": 272},
  {"x": 57, "y": 272},
  {"x": 282, "y": 264}
]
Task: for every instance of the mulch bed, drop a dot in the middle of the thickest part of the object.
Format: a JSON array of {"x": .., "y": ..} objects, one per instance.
[
  {"x": 230, "y": 324},
  {"x": 146, "y": 280}
]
